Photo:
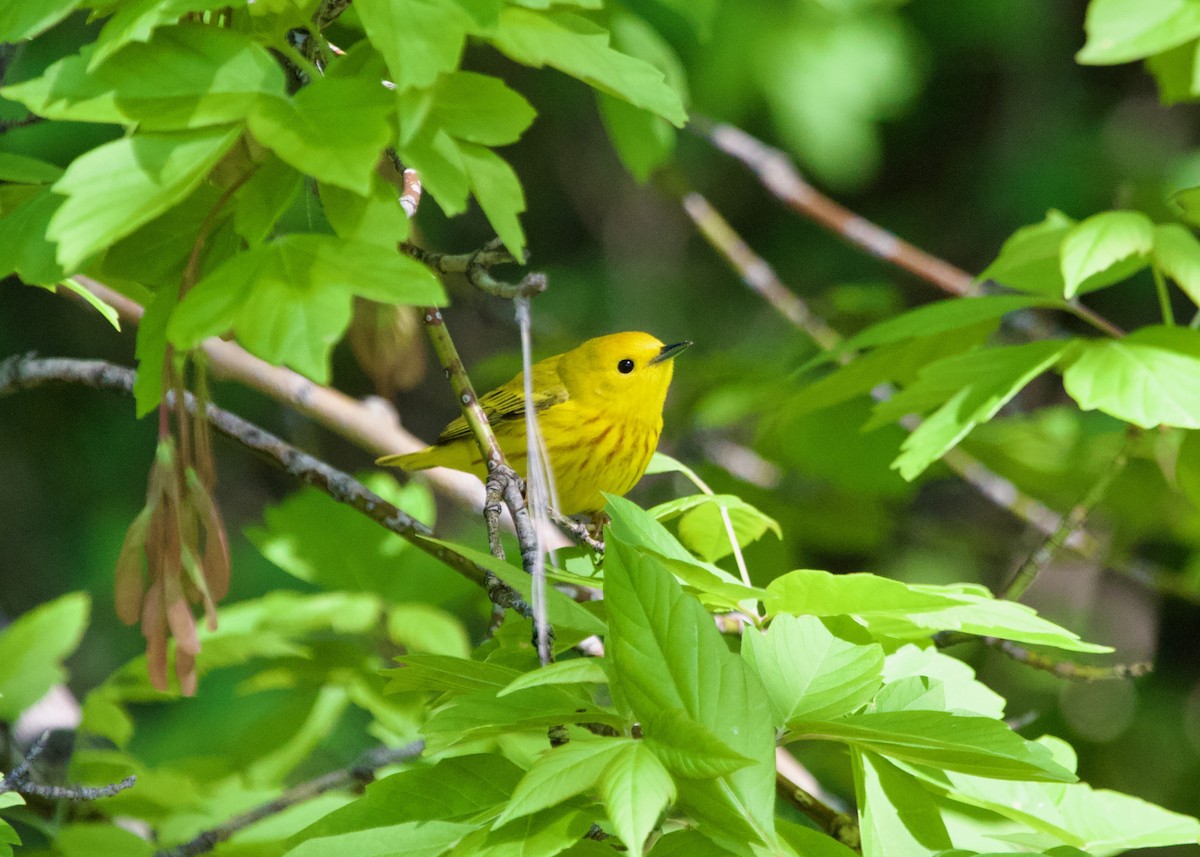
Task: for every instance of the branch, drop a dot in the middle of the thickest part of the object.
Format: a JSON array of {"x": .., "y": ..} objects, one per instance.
[
  {"x": 372, "y": 426},
  {"x": 839, "y": 825},
  {"x": 1069, "y": 524},
  {"x": 1069, "y": 669},
  {"x": 356, "y": 777},
  {"x": 7, "y": 125},
  {"x": 27, "y": 372},
  {"x": 503, "y": 485},
  {"x": 779, "y": 176},
  {"x": 18, "y": 781},
  {"x": 474, "y": 266},
  {"x": 754, "y": 270},
  {"x": 748, "y": 264}
]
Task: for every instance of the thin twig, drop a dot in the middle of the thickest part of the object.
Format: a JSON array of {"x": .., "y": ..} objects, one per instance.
[
  {"x": 502, "y": 481},
  {"x": 758, "y": 275},
  {"x": 27, "y": 372},
  {"x": 839, "y": 825},
  {"x": 779, "y": 175},
  {"x": 1068, "y": 524},
  {"x": 474, "y": 266},
  {"x": 371, "y": 425},
  {"x": 18, "y": 781},
  {"x": 356, "y": 778},
  {"x": 1063, "y": 668},
  {"x": 7, "y": 125},
  {"x": 743, "y": 260}
]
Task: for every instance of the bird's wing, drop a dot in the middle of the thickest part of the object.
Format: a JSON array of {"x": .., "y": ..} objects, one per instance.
[{"x": 507, "y": 403}]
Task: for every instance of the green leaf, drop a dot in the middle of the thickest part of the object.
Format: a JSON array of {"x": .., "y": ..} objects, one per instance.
[
  {"x": 896, "y": 815},
  {"x": 450, "y": 674},
  {"x": 263, "y": 199},
  {"x": 814, "y": 669},
  {"x": 1187, "y": 467},
  {"x": 986, "y": 380},
  {"x": 482, "y": 714},
  {"x": 897, "y": 362},
  {"x": 643, "y": 140},
  {"x": 561, "y": 774},
  {"x": 689, "y": 842},
  {"x": 290, "y": 300},
  {"x": 1105, "y": 249},
  {"x": 137, "y": 20},
  {"x": 548, "y": 832},
  {"x": 667, "y": 656},
  {"x": 333, "y": 130},
  {"x": 427, "y": 629},
  {"x": 1097, "y": 820},
  {"x": 972, "y": 745},
  {"x": 93, "y": 300},
  {"x": 807, "y": 842},
  {"x": 480, "y": 109},
  {"x": 635, "y": 789},
  {"x": 1175, "y": 71},
  {"x": 1029, "y": 259},
  {"x": 24, "y": 247},
  {"x": 318, "y": 540},
  {"x": 576, "y": 671},
  {"x": 1177, "y": 254},
  {"x": 1150, "y": 377},
  {"x": 419, "y": 39},
  {"x": 912, "y": 611},
  {"x": 564, "y": 613},
  {"x": 634, "y": 526},
  {"x": 100, "y": 840},
  {"x": 1120, "y": 31},
  {"x": 115, "y": 188},
  {"x": 702, "y": 529},
  {"x": 689, "y": 749},
  {"x": 1187, "y": 201},
  {"x": 499, "y": 192},
  {"x": 407, "y": 839},
  {"x": 460, "y": 789},
  {"x": 26, "y": 170},
  {"x": 188, "y": 76},
  {"x": 33, "y": 648},
  {"x": 21, "y": 21},
  {"x": 960, "y": 690},
  {"x": 577, "y": 47},
  {"x": 941, "y": 316}
]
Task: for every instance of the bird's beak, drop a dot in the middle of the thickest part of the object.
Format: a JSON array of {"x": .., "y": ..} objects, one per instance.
[{"x": 669, "y": 351}]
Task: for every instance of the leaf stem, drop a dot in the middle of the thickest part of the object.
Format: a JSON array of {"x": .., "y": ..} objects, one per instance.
[{"x": 1164, "y": 296}]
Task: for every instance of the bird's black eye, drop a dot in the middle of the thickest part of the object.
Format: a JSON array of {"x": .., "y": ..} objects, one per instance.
[{"x": 625, "y": 366}]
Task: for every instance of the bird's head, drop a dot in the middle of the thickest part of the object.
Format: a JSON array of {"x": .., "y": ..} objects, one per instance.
[{"x": 631, "y": 370}]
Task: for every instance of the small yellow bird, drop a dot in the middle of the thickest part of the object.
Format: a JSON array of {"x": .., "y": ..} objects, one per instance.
[{"x": 599, "y": 409}]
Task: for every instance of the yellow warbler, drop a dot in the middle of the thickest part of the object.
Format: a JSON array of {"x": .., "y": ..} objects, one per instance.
[{"x": 600, "y": 411}]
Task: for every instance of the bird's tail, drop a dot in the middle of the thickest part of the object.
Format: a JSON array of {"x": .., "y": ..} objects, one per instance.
[{"x": 420, "y": 460}]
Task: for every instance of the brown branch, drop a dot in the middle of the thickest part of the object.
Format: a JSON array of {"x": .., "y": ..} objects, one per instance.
[
  {"x": 26, "y": 372},
  {"x": 754, "y": 270},
  {"x": 356, "y": 778},
  {"x": 372, "y": 426},
  {"x": 779, "y": 176}
]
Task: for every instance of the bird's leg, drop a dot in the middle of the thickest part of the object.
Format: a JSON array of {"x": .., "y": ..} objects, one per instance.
[
  {"x": 584, "y": 533},
  {"x": 492, "y": 504}
]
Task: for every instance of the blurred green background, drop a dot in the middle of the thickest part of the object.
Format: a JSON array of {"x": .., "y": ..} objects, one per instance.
[{"x": 951, "y": 123}]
